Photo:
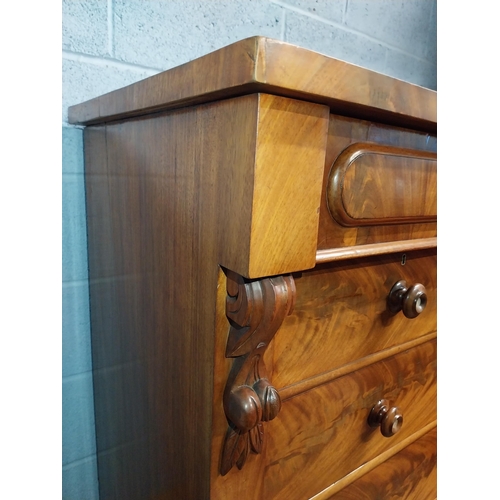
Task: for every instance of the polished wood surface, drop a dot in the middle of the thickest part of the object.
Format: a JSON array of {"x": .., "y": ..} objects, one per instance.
[
  {"x": 256, "y": 310},
  {"x": 345, "y": 132},
  {"x": 410, "y": 474},
  {"x": 341, "y": 314},
  {"x": 344, "y": 253},
  {"x": 260, "y": 64},
  {"x": 261, "y": 210},
  {"x": 390, "y": 419},
  {"x": 371, "y": 184},
  {"x": 161, "y": 219},
  {"x": 323, "y": 434},
  {"x": 241, "y": 335},
  {"x": 287, "y": 186},
  {"x": 293, "y": 390},
  {"x": 411, "y": 299}
]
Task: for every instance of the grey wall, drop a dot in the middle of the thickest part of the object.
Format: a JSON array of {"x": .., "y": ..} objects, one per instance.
[{"x": 108, "y": 44}]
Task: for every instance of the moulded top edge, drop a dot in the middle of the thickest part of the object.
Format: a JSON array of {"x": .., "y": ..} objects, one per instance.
[{"x": 260, "y": 64}]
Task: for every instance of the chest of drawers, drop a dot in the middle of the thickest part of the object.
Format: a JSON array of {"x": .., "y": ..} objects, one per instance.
[{"x": 262, "y": 261}]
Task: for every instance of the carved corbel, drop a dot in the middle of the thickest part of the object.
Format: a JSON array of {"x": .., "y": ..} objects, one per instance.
[{"x": 255, "y": 310}]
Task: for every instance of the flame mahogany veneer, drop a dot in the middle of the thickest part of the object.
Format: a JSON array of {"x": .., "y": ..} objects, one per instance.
[{"x": 248, "y": 214}]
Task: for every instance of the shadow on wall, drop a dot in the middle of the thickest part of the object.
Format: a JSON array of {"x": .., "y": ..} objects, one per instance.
[{"x": 78, "y": 431}]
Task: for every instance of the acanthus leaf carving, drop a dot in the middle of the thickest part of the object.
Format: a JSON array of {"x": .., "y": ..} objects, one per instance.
[{"x": 255, "y": 310}]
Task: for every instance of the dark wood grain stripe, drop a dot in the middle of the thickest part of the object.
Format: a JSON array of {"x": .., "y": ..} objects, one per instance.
[
  {"x": 372, "y": 464},
  {"x": 306, "y": 385}
]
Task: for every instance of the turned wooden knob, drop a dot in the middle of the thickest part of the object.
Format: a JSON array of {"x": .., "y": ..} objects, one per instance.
[
  {"x": 389, "y": 419},
  {"x": 247, "y": 406},
  {"x": 243, "y": 408},
  {"x": 411, "y": 301},
  {"x": 269, "y": 399}
]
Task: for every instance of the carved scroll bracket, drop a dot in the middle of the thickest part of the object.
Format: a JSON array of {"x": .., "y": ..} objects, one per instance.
[{"x": 255, "y": 310}]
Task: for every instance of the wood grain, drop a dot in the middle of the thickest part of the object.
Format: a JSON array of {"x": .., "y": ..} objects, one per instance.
[
  {"x": 255, "y": 310},
  {"x": 169, "y": 199},
  {"x": 260, "y": 64},
  {"x": 188, "y": 177},
  {"x": 223, "y": 73},
  {"x": 341, "y": 315},
  {"x": 297, "y": 388},
  {"x": 371, "y": 184},
  {"x": 410, "y": 474},
  {"x": 322, "y": 435},
  {"x": 288, "y": 181},
  {"x": 344, "y": 253},
  {"x": 344, "y": 132}
]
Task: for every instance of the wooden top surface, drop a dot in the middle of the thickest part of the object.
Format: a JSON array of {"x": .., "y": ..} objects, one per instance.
[{"x": 260, "y": 64}]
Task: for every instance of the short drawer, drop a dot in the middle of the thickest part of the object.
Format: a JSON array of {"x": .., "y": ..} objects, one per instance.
[
  {"x": 341, "y": 316},
  {"x": 379, "y": 185},
  {"x": 372, "y": 184}
]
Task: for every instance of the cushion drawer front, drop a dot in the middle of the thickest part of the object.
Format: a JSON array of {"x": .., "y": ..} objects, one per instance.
[
  {"x": 371, "y": 184},
  {"x": 322, "y": 435},
  {"x": 341, "y": 315},
  {"x": 379, "y": 184},
  {"x": 410, "y": 474}
]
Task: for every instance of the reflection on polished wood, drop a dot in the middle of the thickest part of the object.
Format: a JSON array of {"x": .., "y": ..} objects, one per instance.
[
  {"x": 322, "y": 435},
  {"x": 161, "y": 220},
  {"x": 256, "y": 310},
  {"x": 388, "y": 418},
  {"x": 333, "y": 254},
  {"x": 225, "y": 298},
  {"x": 342, "y": 134},
  {"x": 260, "y": 64},
  {"x": 409, "y": 472},
  {"x": 370, "y": 184},
  {"x": 341, "y": 315},
  {"x": 297, "y": 388}
]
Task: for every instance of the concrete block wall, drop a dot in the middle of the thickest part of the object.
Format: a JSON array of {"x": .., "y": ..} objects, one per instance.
[
  {"x": 108, "y": 44},
  {"x": 79, "y": 450}
]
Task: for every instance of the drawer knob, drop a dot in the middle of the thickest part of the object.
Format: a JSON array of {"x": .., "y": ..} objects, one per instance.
[
  {"x": 389, "y": 419},
  {"x": 412, "y": 300}
]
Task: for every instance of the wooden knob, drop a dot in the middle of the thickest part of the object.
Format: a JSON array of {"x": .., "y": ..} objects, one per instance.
[
  {"x": 389, "y": 419},
  {"x": 248, "y": 406},
  {"x": 269, "y": 399},
  {"x": 244, "y": 409},
  {"x": 411, "y": 301}
]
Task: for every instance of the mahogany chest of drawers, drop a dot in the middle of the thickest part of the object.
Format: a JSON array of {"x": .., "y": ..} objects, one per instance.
[{"x": 262, "y": 259}]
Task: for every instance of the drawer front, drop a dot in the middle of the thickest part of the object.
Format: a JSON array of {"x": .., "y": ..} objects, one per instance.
[
  {"x": 371, "y": 184},
  {"x": 410, "y": 474},
  {"x": 341, "y": 315},
  {"x": 322, "y": 435},
  {"x": 379, "y": 185}
]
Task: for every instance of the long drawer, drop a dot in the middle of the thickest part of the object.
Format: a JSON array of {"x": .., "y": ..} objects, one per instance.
[
  {"x": 410, "y": 474},
  {"x": 341, "y": 315},
  {"x": 322, "y": 435}
]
